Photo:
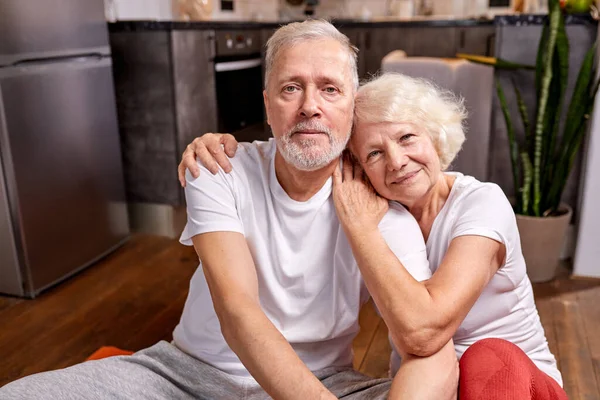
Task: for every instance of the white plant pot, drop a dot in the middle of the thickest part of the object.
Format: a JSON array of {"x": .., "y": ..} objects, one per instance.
[{"x": 542, "y": 240}]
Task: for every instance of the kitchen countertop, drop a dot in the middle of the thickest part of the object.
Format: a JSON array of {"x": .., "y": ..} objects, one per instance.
[{"x": 502, "y": 20}]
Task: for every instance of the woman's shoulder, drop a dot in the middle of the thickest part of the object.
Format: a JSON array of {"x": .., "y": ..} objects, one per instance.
[{"x": 470, "y": 191}]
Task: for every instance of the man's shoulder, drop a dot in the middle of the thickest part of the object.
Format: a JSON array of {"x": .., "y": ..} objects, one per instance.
[
  {"x": 397, "y": 213},
  {"x": 254, "y": 152},
  {"x": 253, "y": 160},
  {"x": 399, "y": 222}
]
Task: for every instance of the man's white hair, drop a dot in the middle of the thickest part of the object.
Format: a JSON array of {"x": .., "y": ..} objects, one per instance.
[
  {"x": 396, "y": 98},
  {"x": 315, "y": 29}
]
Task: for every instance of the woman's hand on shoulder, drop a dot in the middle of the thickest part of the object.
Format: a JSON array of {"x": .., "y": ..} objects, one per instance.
[
  {"x": 212, "y": 149},
  {"x": 357, "y": 204}
]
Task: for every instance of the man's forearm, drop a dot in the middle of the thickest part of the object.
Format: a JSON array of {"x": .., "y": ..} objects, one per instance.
[
  {"x": 427, "y": 378},
  {"x": 268, "y": 356}
]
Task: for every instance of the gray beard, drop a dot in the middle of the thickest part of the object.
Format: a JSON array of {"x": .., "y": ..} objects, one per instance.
[{"x": 306, "y": 154}]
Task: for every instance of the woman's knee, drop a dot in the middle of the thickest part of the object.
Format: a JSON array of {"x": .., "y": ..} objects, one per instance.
[{"x": 491, "y": 348}]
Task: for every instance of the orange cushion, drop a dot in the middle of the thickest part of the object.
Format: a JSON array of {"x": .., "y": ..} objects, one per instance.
[{"x": 108, "y": 351}]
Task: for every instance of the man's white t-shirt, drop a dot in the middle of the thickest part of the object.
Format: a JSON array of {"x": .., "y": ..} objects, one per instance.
[
  {"x": 506, "y": 307},
  {"x": 309, "y": 284}
]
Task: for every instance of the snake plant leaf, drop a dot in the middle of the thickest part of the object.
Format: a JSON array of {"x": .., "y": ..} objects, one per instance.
[
  {"x": 580, "y": 97},
  {"x": 541, "y": 59},
  {"x": 513, "y": 145},
  {"x": 573, "y": 134},
  {"x": 558, "y": 88},
  {"x": 527, "y": 178},
  {"x": 493, "y": 61},
  {"x": 555, "y": 15},
  {"x": 524, "y": 113}
]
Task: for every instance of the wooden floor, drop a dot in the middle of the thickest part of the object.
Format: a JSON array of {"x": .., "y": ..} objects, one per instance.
[{"x": 134, "y": 298}]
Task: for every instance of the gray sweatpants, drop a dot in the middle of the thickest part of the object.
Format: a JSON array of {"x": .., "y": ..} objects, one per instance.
[{"x": 165, "y": 372}]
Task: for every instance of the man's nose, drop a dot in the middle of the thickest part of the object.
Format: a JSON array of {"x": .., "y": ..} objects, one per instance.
[{"x": 310, "y": 104}]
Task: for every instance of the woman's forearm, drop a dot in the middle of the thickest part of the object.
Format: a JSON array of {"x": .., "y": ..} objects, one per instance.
[{"x": 414, "y": 317}]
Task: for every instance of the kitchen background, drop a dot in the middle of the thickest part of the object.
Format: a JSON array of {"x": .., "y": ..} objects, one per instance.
[
  {"x": 163, "y": 72},
  {"x": 94, "y": 117}
]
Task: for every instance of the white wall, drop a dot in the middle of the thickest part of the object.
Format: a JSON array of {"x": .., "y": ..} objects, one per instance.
[
  {"x": 138, "y": 9},
  {"x": 246, "y": 10},
  {"x": 587, "y": 252}
]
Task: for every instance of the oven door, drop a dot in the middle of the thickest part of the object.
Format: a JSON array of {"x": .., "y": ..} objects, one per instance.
[{"x": 239, "y": 93}]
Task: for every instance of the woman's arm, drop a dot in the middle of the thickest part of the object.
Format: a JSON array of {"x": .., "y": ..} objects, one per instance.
[
  {"x": 422, "y": 316},
  {"x": 212, "y": 149}
]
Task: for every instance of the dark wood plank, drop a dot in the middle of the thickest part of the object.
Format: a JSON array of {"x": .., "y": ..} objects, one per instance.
[
  {"x": 377, "y": 360},
  {"x": 368, "y": 321},
  {"x": 108, "y": 304},
  {"x": 589, "y": 303},
  {"x": 575, "y": 361},
  {"x": 546, "y": 312},
  {"x": 7, "y": 302}
]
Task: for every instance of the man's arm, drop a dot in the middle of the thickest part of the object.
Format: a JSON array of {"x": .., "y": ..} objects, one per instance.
[
  {"x": 232, "y": 280},
  {"x": 427, "y": 378}
]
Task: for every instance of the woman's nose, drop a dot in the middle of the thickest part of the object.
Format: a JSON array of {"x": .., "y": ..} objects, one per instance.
[{"x": 396, "y": 159}]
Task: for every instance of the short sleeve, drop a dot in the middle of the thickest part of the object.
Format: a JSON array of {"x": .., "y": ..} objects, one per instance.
[
  {"x": 211, "y": 205},
  {"x": 485, "y": 211},
  {"x": 404, "y": 237}
]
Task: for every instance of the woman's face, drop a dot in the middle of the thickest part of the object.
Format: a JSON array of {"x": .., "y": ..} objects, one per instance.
[{"x": 399, "y": 159}]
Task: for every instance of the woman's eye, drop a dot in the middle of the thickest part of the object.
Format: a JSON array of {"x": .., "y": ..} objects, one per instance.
[
  {"x": 404, "y": 138},
  {"x": 373, "y": 154}
]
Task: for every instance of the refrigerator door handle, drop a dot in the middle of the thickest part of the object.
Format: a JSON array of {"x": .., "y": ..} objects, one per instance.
[{"x": 56, "y": 60}]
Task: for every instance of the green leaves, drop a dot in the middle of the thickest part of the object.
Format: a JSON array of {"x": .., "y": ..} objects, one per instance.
[
  {"x": 543, "y": 95},
  {"x": 541, "y": 163},
  {"x": 514, "y": 147}
]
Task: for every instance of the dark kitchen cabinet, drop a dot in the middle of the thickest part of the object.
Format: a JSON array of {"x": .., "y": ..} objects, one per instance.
[
  {"x": 476, "y": 40},
  {"x": 378, "y": 42},
  {"x": 433, "y": 41},
  {"x": 165, "y": 95}
]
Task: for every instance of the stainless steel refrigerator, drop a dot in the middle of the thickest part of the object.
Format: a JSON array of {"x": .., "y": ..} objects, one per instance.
[{"x": 62, "y": 198}]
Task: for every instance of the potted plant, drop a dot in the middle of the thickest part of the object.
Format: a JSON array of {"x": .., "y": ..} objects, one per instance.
[{"x": 542, "y": 160}]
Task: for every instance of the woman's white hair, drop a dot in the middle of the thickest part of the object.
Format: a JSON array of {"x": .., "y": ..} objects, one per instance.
[
  {"x": 315, "y": 29},
  {"x": 394, "y": 97}
]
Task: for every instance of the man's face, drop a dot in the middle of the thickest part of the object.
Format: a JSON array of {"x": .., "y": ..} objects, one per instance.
[{"x": 309, "y": 102}]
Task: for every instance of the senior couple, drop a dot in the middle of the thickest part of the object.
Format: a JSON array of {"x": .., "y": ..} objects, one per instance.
[{"x": 294, "y": 235}]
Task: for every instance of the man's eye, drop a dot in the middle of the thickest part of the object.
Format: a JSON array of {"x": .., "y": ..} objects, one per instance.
[
  {"x": 290, "y": 89},
  {"x": 330, "y": 89}
]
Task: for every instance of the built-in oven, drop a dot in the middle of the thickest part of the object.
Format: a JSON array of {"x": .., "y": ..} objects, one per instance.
[{"x": 238, "y": 78}]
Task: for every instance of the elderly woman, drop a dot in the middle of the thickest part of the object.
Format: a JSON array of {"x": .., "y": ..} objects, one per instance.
[{"x": 406, "y": 134}]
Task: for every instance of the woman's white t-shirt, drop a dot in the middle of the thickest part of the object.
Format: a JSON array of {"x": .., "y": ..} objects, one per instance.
[{"x": 506, "y": 308}]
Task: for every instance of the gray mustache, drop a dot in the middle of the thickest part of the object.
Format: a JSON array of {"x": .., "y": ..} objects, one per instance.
[{"x": 313, "y": 126}]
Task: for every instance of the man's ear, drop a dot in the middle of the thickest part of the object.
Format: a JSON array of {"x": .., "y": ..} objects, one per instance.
[{"x": 266, "y": 100}]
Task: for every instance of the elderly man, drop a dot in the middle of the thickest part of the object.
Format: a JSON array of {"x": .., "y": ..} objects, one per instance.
[{"x": 273, "y": 310}]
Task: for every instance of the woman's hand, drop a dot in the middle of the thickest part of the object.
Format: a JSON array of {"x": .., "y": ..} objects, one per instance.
[
  {"x": 357, "y": 204},
  {"x": 212, "y": 149}
]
